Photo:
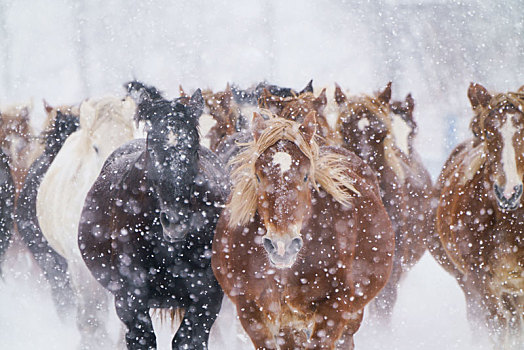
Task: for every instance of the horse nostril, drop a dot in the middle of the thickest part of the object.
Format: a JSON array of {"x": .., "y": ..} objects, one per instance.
[
  {"x": 164, "y": 220},
  {"x": 295, "y": 245},
  {"x": 518, "y": 190},
  {"x": 268, "y": 244}
]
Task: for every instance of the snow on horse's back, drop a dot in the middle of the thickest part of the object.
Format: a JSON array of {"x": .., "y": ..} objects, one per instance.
[{"x": 105, "y": 124}]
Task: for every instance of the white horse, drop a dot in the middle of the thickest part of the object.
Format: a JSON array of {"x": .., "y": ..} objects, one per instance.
[{"x": 105, "y": 125}]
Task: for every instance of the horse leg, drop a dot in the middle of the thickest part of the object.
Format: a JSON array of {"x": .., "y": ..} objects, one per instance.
[
  {"x": 346, "y": 341},
  {"x": 330, "y": 324},
  {"x": 92, "y": 308},
  {"x": 194, "y": 330},
  {"x": 382, "y": 305},
  {"x": 133, "y": 311},
  {"x": 59, "y": 281},
  {"x": 289, "y": 338},
  {"x": 255, "y": 323}
]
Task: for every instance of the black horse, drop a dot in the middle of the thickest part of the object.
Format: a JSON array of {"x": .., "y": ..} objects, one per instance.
[
  {"x": 149, "y": 219},
  {"x": 252, "y": 95},
  {"x": 53, "y": 265},
  {"x": 7, "y": 204}
]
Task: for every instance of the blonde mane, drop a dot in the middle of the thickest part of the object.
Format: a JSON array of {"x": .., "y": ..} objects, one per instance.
[
  {"x": 328, "y": 169},
  {"x": 382, "y": 111}
]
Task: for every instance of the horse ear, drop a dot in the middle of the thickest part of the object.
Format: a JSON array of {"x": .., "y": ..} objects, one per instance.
[
  {"x": 196, "y": 104},
  {"x": 265, "y": 98},
  {"x": 47, "y": 106},
  {"x": 339, "y": 95},
  {"x": 182, "y": 92},
  {"x": 227, "y": 97},
  {"x": 321, "y": 100},
  {"x": 385, "y": 96},
  {"x": 257, "y": 125},
  {"x": 308, "y": 88},
  {"x": 410, "y": 102},
  {"x": 478, "y": 96},
  {"x": 521, "y": 89},
  {"x": 309, "y": 126}
]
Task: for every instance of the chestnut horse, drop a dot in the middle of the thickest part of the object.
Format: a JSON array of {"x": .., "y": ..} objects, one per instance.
[
  {"x": 226, "y": 113},
  {"x": 18, "y": 141},
  {"x": 480, "y": 216},
  {"x": 382, "y": 135},
  {"x": 297, "y": 107},
  {"x": 304, "y": 242}
]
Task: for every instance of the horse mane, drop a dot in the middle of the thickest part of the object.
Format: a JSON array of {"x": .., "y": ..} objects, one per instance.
[
  {"x": 382, "y": 110},
  {"x": 328, "y": 169},
  {"x": 94, "y": 113},
  {"x": 63, "y": 125}
]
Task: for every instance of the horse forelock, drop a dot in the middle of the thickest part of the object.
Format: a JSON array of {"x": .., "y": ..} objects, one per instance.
[
  {"x": 328, "y": 169},
  {"x": 498, "y": 101}
]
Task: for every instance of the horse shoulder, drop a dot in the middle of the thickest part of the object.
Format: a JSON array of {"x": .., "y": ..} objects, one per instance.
[{"x": 464, "y": 214}]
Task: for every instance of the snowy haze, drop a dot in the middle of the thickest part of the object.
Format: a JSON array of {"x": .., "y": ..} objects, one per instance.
[{"x": 65, "y": 51}]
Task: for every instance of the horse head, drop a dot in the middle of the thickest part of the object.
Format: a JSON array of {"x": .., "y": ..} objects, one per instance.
[
  {"x": 364, "y": 123},
  {"x": 403, "y": 124},
  {"x": 173, "y": 144},
  {"x": 274, "y": 179},
  {"x": 500, "y": 125},
  {"x": 66, "y": 122},
  {"x": 225, "y": 111}
]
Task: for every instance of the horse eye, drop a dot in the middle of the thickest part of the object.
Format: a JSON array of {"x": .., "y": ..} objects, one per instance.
[
  {"x": 306, "y": 177},
  {"x": 258, "y": 179}
]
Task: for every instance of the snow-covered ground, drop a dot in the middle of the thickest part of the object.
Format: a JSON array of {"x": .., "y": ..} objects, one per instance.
[{"x": 430, "y": 315}]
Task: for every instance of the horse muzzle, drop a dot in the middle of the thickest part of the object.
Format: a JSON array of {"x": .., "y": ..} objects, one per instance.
[
  {"x": 503, "y": 201},
  {"x": 283, "y": 252},
  {"x": 174, "y": 231}
]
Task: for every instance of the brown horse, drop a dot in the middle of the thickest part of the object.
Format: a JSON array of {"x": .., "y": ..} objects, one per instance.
[
  {"x": 304, "y": 242},
  {"x": 226, "y": 113},
  {"x": 382, "y": 135},
  {"x": 18, "y": 141},
  {"x": 480, "y": 217},
  {"x": 297, "y": 107}
]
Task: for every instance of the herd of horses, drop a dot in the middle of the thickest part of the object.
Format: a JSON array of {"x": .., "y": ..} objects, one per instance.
[{"x": 302, "y": 207}]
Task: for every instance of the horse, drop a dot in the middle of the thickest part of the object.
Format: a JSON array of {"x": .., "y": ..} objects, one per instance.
[
  {"x": 382, "y": 135},
  {"x": 105, "y": 124},
  {"x": 7, "y": 197},
  {"x": 225, "y": 111},
  {"x": 18, "y": 141},
  {"x": 293, "y": 107},
  {"x": 297, "y": 107},
  {"x": 479, "y": 217},
  {"x": 54, "y": 266},
  {"x": 304, "y": 242},
  {"x": 148, "y": 223}
]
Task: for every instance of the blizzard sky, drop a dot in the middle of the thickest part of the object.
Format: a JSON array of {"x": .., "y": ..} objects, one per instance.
[{"x": 65, "y": 51}]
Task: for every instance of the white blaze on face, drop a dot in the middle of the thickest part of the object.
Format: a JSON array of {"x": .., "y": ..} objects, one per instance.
[
  {"x": 509, "y": 162},
  {"x": 401, "y": 131},
  {"x": 172, "y": 138},
  {"x": 282, "y": 159},
  {"x": 362, "y": 123}
]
